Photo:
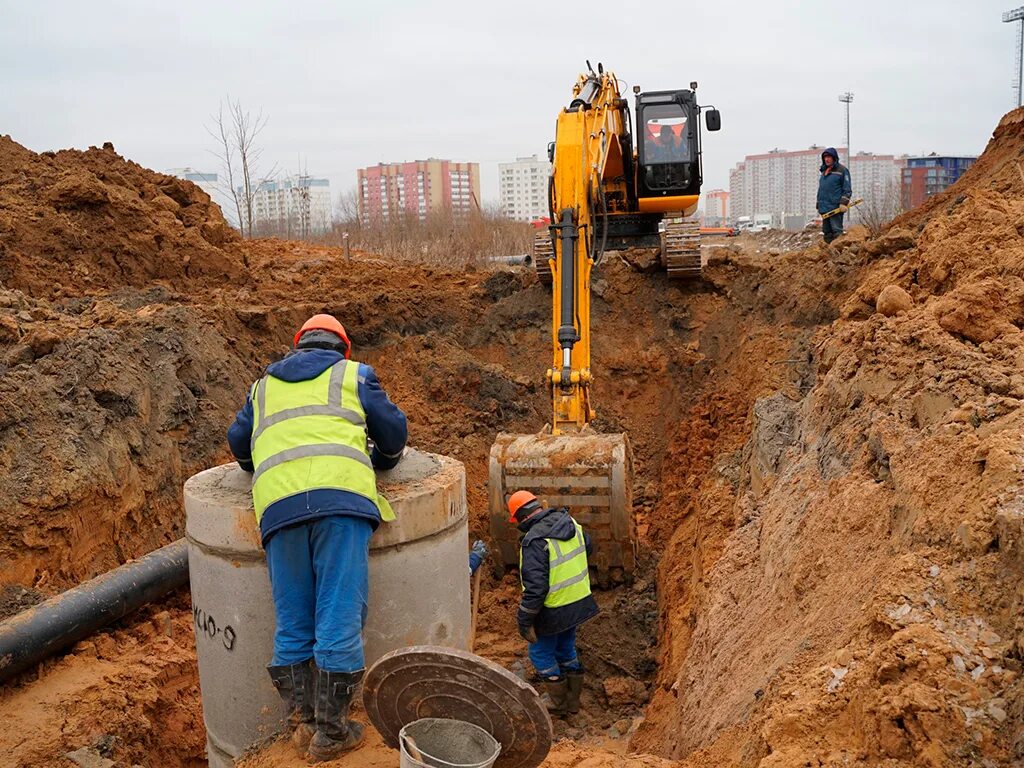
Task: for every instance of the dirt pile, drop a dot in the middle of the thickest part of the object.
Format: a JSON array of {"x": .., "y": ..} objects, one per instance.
[
  {"x": 95, "y": 221},
  {"x": 827, "y": 493},
  {"x": 864, "y": 605}
]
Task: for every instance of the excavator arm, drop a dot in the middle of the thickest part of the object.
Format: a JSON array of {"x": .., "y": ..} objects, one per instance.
[
  {"x": 571, "y": 465},
  {"x": 587, "y": 169},
  {"x": 601, "y": 194}
]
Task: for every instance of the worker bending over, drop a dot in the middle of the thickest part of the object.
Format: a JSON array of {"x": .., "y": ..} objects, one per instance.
[
  {"x": 556, "y": 596},
  {"x": 303, "y": 433}
]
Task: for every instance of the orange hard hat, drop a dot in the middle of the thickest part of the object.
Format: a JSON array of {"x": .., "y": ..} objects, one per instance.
[
  {"x": 325, "y": 323},
  {"x": 517, "y": 501}
]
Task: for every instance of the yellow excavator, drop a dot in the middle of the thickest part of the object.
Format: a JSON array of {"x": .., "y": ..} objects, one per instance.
[{"x": 604, "y": 194}]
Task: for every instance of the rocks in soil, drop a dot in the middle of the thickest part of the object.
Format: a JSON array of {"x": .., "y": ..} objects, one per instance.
[
  {"x": 892, "y": 300},
  {"x": 624, "y": 691}
]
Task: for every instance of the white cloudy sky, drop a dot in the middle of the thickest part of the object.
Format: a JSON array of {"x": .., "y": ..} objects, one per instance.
[{"x": 347, "y": 85}]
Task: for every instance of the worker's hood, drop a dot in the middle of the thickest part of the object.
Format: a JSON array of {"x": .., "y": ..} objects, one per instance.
[
  {"x": 304, "y": 364},
  {"x": 549, "y": 524},
  {"x": 835, "y": 157}
]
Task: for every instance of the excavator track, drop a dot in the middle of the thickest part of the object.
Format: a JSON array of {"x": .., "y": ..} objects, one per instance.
[
  {"x": 680, "y": 251},
  {"x": 542, "y": 252}
]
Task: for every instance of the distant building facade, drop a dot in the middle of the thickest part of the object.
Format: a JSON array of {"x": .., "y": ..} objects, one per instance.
[
  {"x": 926, "y": 176},
  {"x": 783, "y": 185},
  {"x": 389, "y": 191},
  {"x": 294, "y": 206},
  {"x": 523, "y": 188},
  {"x": 716, "y": 207}
]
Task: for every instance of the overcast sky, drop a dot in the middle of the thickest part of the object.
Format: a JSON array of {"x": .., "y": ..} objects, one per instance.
[{"x": 347, "y": 85}]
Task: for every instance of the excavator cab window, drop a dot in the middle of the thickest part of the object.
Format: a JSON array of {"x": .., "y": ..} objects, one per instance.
[{"x": 667, "y": 150}]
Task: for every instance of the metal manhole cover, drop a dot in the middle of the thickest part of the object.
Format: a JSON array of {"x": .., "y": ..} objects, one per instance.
[{"x": 430, "y": 681}]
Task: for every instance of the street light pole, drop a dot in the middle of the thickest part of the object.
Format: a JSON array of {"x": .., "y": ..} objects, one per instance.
[
  {"x": 1017, "y": 15},
  {"x": 847, "y": 98}
]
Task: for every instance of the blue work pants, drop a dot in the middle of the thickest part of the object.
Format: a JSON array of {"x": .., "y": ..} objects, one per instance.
[
  {"x": 555, "y": 654},
  {"x": 832, "y": 227},
  {"x": 319, "y": 578}
]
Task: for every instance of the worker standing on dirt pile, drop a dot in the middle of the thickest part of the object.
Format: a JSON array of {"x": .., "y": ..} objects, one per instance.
[
  {"x": 834, "y": 192},
  {"x": 303, "y": 433},
  {"x": 556, "y": 597}
]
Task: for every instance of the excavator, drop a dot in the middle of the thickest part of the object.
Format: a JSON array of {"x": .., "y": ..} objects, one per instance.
[{"x": 612, "y": 187}]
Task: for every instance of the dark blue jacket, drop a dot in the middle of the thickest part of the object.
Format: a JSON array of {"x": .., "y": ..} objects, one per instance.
[
  {"x": 553, "y": 524},
  {"x": 385, "y": 425},
  {"x": 834, "y": 188}
]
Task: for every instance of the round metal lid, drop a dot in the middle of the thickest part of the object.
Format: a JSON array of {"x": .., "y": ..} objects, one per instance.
[{"x": 430, "y": 681}]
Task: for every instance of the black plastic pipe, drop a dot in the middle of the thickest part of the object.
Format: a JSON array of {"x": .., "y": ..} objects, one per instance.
[
  {"x": 61, "y": 621},
  {"x": 518, "y": 260}
]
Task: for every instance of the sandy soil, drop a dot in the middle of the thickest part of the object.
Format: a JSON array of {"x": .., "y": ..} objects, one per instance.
[{"x": 828, "y": 456}]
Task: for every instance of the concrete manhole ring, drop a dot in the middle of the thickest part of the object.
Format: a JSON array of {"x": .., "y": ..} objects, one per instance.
[{"x": 431, "y": 681}]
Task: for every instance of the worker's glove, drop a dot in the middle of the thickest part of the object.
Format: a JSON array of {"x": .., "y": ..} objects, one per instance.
[
  {"x": 480, "y": 549},
  {"x": 843, "y": 208},
  {"x": 527, "y": 632}
]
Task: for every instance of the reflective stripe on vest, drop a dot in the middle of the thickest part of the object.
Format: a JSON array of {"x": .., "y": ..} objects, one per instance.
[
  {"x": 568, "y": 572},
  {"x": 311, "y": 435}
]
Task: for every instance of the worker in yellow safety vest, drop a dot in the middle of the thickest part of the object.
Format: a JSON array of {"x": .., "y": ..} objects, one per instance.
[
  {"x": 556, "y": 596},
  {"x": 303, "y": 434}
]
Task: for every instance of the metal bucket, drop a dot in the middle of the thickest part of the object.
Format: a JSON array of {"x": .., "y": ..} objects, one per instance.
[{"x": 444, "y": 743}]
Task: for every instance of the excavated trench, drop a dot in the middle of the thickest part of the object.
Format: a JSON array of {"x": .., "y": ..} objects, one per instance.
[
  {"x": 828, "y": 463},
  {"x": 157, "y": 382}
]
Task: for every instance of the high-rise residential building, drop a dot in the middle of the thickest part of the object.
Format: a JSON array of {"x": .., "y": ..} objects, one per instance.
[
  {"x": 784, "y": 185},
  {"x": 523, "y": 188},
  {"x": 716, "y": 207},
  {"x": 776, "y": 183},
  {"x": 295, "y": 206},
  {"x": 205, "y": 181},
  {"x": 925, "y": 176},
  {"x": 392, "y": 190}
]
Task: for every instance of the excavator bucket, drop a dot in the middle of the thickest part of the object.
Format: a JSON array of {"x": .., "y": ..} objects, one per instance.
[{"x": 589, "y": 473}]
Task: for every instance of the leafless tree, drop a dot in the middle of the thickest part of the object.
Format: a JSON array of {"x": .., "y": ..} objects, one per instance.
[
  {"x": 880, "y": 208},
  {"x": 346, "y": 212},
  {"x": 236, "y": 133}
]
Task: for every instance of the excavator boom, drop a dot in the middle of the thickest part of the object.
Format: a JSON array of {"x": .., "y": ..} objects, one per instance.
[{"x": 601, "y": 191}]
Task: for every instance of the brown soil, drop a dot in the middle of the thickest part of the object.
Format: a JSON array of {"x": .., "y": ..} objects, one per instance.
[{"x": 828, "y": 495}]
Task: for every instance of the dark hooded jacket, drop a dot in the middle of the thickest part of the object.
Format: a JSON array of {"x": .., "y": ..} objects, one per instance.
[
  {"x": 553, "y": 524},
  {"x": 834, "y": 187},
  {"x": 385, "y": 425}
]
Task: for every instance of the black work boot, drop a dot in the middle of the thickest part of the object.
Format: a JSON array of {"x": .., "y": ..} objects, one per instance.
[
  {"x": 556, "y": 690},
  {"x": 335, "y": 733},
  {"x": 295, "y": 685},
  {"x": 574, "y": 679}
]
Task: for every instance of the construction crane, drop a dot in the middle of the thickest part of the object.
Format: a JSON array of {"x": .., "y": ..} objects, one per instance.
[{"x": 604, "y": 194}]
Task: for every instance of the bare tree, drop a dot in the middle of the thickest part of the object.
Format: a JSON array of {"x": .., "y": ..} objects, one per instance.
[
  {"x": 879, "y": 209},
  {"x": 346, "y": 212},
  {"x": 236, "y": 134}
]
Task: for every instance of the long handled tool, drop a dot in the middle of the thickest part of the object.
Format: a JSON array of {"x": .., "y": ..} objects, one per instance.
[
  {"x": 476, "y": 606},
  {"x": 858, "y": 201}
]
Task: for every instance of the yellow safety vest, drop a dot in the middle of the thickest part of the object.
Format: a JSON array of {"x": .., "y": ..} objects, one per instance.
[
  {"x": 311, "y": 435},
  {"x": 568, "y": 572}
]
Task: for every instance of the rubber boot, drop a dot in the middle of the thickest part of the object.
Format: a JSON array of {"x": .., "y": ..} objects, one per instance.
[
  {"x": 574, "y": 679},
  {"x": 556, "y": 690},
  {"x": 335, "y": 733},
  {"x": 295, "y": 685}
]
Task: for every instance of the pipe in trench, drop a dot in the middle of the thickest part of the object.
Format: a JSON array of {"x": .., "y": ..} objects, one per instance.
[
  {"x": 517, "y": 260},
  {"x": 63, "y": 620}
]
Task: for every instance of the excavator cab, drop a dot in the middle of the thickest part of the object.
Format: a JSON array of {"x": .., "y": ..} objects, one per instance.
[
  {"x": 668, "y": 155},
  {"x": 669, "y": 173}
]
